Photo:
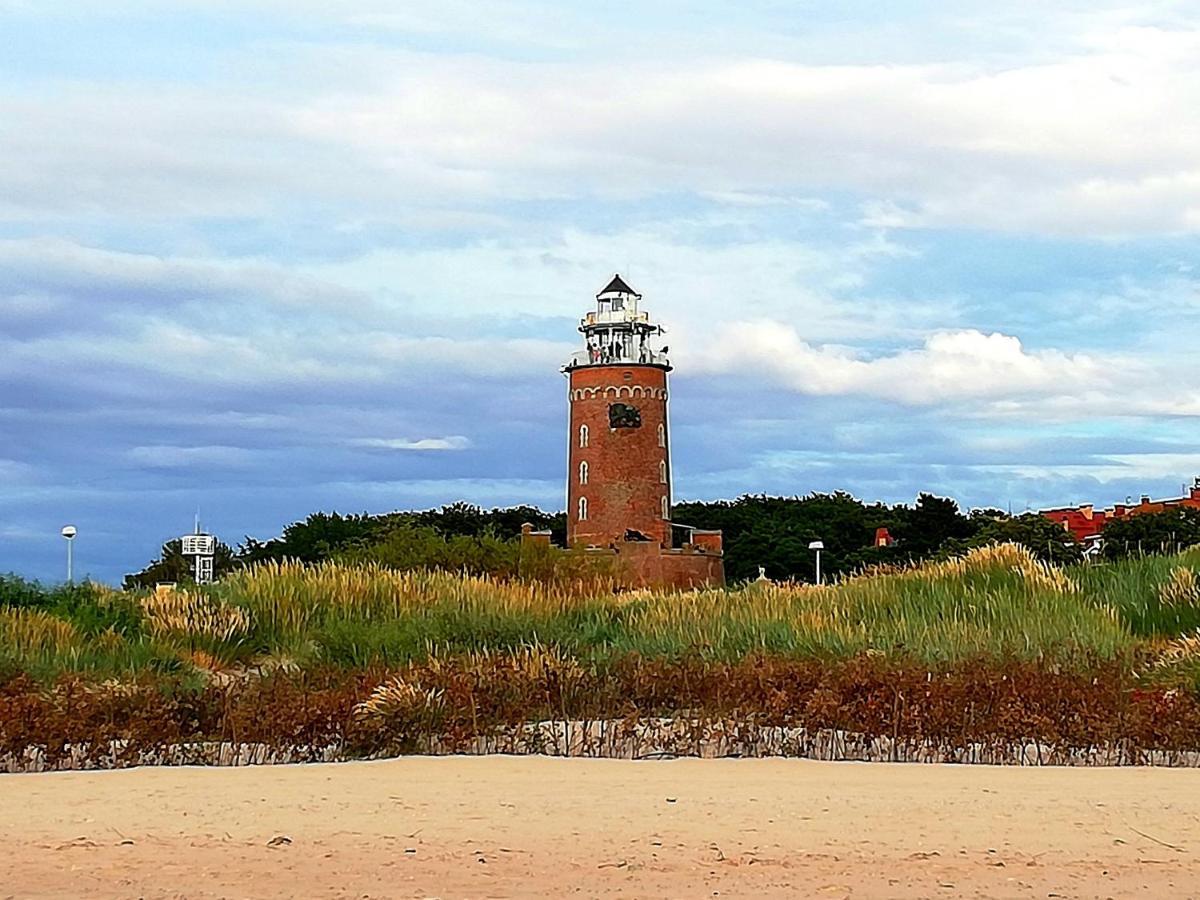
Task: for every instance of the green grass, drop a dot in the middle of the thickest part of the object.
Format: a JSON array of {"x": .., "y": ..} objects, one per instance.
[
  {"x": 1133, "y": 586},
  {"x": 995, "y": 602}
]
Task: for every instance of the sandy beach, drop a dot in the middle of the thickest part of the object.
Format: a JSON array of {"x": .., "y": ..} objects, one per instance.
[{"x": 521, "y": 827}]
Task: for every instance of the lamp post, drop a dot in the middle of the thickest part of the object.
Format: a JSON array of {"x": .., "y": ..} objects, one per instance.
[
  {"x": 69, "y": 533},
  {"x": 818, "y": 547}
]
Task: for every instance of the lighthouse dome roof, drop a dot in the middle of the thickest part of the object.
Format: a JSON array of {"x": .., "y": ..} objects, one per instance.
[{"x": 618, "y": 286}]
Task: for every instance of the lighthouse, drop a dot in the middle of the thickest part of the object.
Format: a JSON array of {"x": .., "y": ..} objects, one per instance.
[
  {"x": 619, "y": 457},
  {"x": 619, "y": 468}
]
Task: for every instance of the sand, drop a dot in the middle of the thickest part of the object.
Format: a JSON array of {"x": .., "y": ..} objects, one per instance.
[{"x": 530, "y": 826}]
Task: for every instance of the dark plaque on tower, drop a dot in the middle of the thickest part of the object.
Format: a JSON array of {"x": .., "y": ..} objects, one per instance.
[{"x": 623, "y": 415}]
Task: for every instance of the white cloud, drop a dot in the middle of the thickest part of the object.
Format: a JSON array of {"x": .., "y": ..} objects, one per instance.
[
  {"x": 1101, "y": 140},
  {"x": 450, "y": 442},
  {"x": 289, "y": 358},
  {"x": 484, "y": 491},
  {"x": 949, "y": 368},
  {"x": 688, "y": 283},
  {"x": 791, "y": 313},
  {"x": 22, "y": 533},
  {"x": 1089, "y": 144}
]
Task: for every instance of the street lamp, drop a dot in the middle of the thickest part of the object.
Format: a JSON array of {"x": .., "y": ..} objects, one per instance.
[
  {"x": 69, "y": 533},
  {"x": 818, "y": 547}
]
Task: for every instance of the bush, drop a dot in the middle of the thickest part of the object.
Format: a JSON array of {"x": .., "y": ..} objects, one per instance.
[
  {"x": 409, "y": 547},
  {"x": 16, "y": 592},
  {"x": 974, "y": 709}
]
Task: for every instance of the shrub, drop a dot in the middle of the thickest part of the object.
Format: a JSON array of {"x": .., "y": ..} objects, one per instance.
[{"x": 17, "y": 592}]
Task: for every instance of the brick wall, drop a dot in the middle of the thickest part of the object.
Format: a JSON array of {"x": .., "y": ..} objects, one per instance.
[
  {"x": 625, "y": 478},
  {"x": 641, "y": 564}
]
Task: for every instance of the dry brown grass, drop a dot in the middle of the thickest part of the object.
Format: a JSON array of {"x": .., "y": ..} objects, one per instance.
[{"x": 172, "y": 612}]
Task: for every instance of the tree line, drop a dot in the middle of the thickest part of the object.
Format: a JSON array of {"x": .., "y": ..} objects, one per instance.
[
  {"x": 457, "y": 537},
  {"x": 759, "y": 530}
]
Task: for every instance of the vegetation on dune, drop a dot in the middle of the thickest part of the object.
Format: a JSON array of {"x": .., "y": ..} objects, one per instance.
[
  {"x": 1153, "y": 593},
  {"x": 986, "y": 649},
  {"x": 998, "y": 601},
  {"x": 972, "y": 710}
]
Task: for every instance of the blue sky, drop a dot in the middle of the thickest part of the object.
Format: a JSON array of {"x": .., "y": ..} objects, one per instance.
[{"x": 265, "y": 257}]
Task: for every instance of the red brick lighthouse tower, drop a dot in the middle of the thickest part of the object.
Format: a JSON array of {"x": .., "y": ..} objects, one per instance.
[
  {"x": 619, "y": 463},
  {"x": 619, "y": 477}
]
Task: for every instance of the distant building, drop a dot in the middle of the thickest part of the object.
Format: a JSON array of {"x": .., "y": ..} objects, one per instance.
[
  {"x": 619, "y": 457},
  {"x": 1086, "y": 523}
]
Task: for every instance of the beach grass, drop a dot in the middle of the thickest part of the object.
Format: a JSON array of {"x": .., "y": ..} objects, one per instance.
[{"x": 996, "y": 601}]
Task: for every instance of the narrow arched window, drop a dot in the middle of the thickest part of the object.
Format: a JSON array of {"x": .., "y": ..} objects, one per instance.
[
  {"x": 666, "y": 512},
  {"x": 583, "y": 472},
  {"x": 662, "y": 471},
  {"x": 583, "y": 508},
  {"x": 662, "y": 435},
  {"x": 583, "y": 435}
]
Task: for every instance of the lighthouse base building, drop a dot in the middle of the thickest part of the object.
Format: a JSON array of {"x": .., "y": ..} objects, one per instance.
[{"x": 619, "y": 460}]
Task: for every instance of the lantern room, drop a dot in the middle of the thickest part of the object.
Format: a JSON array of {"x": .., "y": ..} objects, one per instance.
[{"x": 618, "y": 332}]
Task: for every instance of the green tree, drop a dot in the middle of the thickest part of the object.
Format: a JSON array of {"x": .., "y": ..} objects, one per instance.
[
  {"x": 1047, "y": 540},
  {"x": 1163, "y": 532},
  {"x": 467, "y": 519},
  {"x": 327, "y": 535},
  {"x": 930, "y": 523},
  {"x": 420, "y": 547},
  {"x": 318, "y": 537},
  {"x": 774, "y": 532},
  {"x": 16, "y": 591}
]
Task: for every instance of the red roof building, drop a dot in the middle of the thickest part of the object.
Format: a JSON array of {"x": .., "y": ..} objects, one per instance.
[{"x": 1086, "y": 522}]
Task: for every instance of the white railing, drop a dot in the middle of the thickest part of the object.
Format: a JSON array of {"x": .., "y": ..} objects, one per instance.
[
  {"x": 615, "y": 317},
  {"x": 648, "y": 357}
]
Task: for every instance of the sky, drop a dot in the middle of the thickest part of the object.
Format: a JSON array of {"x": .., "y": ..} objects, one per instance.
[{"x": 263, "y": 258}]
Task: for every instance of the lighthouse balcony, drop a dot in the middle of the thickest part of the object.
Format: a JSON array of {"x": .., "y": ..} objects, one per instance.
[
  {"x": 614, "y": 317},
  {"x": 638, "y": 357}
]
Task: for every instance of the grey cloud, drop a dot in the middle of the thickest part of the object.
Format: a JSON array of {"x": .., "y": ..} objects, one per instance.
[
  {"x": 41, "y": 275},
  {"x": 166, "y": 456}
]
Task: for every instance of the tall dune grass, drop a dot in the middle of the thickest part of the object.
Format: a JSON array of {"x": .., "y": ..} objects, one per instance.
[
  {"x": 996, "y": 601},
  {"x": 1151, "y": 593},
  {"x": 44, "y": 644}
]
